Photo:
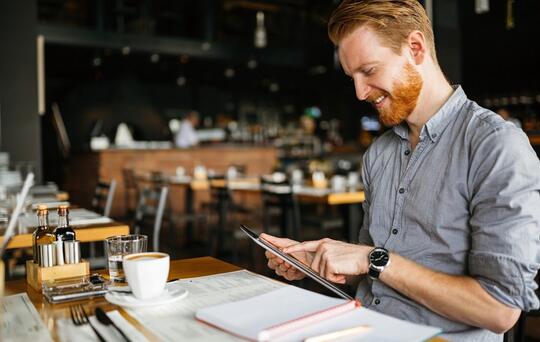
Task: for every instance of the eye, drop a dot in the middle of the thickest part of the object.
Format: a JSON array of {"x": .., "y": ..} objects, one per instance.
[{"x": 369, "y": 71}]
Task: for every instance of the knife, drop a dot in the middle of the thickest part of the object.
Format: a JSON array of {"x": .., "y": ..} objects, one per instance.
[{"x": 106, "y": 320}]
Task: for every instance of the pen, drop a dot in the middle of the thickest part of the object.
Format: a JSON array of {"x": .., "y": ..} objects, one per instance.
[{"x": 339, "y": 334}]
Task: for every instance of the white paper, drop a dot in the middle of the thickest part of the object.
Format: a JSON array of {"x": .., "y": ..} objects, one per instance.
[
  {"x": 247, "y": 318},
  {"x": 77, "y": 217},
  {"x": 177, "y": 320},
  {"x": 383, "y": 328},
  {"x": 20, "y": 321},
  {"x": 68, "y": 332}
]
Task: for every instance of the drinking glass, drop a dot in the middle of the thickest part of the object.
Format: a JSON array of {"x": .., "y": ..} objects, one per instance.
[{"x": 119, "y": 246}]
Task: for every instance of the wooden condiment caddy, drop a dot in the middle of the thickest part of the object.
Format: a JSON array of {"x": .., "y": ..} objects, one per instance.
[{"x": 36, "y": 275}]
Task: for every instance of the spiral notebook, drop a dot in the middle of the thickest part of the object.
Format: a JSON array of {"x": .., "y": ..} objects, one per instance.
[{"x": 293, "y": 314}]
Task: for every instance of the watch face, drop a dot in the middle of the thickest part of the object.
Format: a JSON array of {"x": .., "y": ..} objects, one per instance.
[{"x": 379, "y": 257}]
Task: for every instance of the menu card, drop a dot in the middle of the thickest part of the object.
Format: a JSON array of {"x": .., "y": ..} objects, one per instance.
[{"x": 20, "y": 321}]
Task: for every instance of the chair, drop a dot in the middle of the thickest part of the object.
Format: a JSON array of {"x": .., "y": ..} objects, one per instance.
[
  {"x": 151, "y": 206},
  {"x": 131, "y": 191},
  {"x": 102, "y": 204},
  {"x": 278, "y": 198},
  {"x": 103, "y": 197}
]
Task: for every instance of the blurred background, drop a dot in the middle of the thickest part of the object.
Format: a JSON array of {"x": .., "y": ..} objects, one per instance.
[{"x": 250, "y": 68}]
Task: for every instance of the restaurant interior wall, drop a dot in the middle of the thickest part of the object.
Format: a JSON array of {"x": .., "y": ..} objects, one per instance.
[
  {"x": 500, "y": 58},
  {"x": 20, "y": 133}
]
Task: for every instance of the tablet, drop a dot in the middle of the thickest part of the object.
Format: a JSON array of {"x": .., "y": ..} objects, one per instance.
[{"x": 295, "y": 262}]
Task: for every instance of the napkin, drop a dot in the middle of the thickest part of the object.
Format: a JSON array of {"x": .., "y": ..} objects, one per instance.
[{"x": 68, "y": 332}]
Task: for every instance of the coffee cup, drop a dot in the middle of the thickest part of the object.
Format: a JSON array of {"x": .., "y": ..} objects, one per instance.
[{"x": 146, "y": 273}]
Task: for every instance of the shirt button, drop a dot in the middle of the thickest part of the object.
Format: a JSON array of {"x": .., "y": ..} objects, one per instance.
[
  {"x": 401, "y": 190},
  {"x": 407, "y": 152},
  {"x": 434, "y": 135},
  {"x": 377, "y": 301},
  {"x": 394, "y": 231}
]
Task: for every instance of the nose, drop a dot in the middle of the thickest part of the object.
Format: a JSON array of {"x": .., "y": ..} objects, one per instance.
[{"x": 362, "y": 89}]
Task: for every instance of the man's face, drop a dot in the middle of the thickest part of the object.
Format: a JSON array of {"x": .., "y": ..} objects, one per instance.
[{"x": 385, "y": 79}]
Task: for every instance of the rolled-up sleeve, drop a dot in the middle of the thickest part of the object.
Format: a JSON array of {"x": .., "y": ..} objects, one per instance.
[{"x": 504, "y": 183}]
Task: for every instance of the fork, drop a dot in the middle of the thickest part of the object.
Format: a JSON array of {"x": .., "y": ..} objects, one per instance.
[{"x": 79, "y": 317}]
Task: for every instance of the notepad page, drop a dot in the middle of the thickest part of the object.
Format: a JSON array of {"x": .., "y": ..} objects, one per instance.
[
  {"x": 249, "y": 317},
  {"x": 384, "y": 328}
]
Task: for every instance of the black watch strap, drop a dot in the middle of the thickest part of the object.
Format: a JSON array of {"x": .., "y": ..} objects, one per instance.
[{"x": 373, "y": 273}]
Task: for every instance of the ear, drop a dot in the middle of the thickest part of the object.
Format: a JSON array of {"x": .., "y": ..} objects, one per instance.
[{"x": 417, "y": 46}]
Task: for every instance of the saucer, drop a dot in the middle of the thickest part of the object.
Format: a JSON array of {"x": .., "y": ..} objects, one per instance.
[{"x": 173, "y": 292}]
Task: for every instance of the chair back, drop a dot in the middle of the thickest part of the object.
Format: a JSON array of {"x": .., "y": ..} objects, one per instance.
[
  {"x": 104, "y": 197},
  {"x": 151, "y": 205},
  {"x": 278, "y": 193},
  {"x": 131, "y": 190}
]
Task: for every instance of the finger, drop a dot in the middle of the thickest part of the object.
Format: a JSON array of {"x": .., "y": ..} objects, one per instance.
[
  {"x": 278, "y": 242},
  {"x": 316, "y": 262},
  {"x": 293, "y": 274},
  {"x": 340, "y": 279},
  {"x": 323, "y": 267},
  {"x": 307, "y": 246}
]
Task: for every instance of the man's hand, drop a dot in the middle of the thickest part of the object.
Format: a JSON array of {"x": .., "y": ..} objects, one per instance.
[
  {"x": 281, "y": 267},
  {"x": 333, "y": 259}
]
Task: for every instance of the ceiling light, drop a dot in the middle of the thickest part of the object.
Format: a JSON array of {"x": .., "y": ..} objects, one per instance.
[
  {"x": 229, "y": 72},
  {"x": 126, "y": 50},
  {"x": 252, "y": 64},
  {"x": 260, "y": 31},
  {"x": 481, "y": 6},
  {"x": 206, "y": 46},
  {"x": 154, "y": 58},
  {"x": 181, "y": 81},
  {"x": 274, "y": 87},
  {"x": 96, "y": 61}
]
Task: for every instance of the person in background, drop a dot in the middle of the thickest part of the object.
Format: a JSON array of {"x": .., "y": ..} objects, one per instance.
[
  {"x": 451, "y": 228},
  {"x": 186, "y": 136},
  {"x": 505, "y": 114}
]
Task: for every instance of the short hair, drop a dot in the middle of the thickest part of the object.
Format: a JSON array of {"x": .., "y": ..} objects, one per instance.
[{"x": 392, "y": 20}]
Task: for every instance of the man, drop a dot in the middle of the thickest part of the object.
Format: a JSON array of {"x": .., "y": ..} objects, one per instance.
[
  {"x": 452, "y": 221},
  {"x": 186, "y": 136}
]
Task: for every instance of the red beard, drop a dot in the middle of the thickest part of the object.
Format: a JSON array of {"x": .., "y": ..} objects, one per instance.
[{"x": 403, "y": 98}]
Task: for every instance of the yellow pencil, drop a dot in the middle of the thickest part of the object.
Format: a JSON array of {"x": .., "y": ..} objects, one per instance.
[{"x": 339, "y": 334}]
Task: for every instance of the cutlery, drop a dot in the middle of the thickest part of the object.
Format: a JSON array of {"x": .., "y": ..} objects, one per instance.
[
  {"x": 106, "y": 320},
  {"x": 79, "y": 317}
]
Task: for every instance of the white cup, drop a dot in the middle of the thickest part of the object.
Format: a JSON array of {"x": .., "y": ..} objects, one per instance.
[
  {"x": 338, "y": 183},
  {"x": 146, "y": 273}
]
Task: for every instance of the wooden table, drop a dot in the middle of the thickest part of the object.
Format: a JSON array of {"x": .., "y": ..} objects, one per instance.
[
  {"x": 50, "y": 313},
  {"x": 187, "y": 268},
  {"x": 349, "y": 201},
  {"x": 98, "y": 232}
]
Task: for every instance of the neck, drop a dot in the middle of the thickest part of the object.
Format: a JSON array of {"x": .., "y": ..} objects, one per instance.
[{"x": 434, "y": 94}]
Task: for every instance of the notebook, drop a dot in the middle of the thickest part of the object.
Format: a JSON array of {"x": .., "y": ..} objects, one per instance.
[{"x": 293, "y": 314}]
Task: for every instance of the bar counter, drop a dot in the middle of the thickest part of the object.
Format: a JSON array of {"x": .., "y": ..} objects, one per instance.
[{"x": 86, "y": 168}]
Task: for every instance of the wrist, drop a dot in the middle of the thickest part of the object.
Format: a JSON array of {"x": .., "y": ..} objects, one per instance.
[{"x": 379, "y": 260}]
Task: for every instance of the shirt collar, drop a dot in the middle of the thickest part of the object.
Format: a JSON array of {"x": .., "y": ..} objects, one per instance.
[{"x": 438, "y": 122}]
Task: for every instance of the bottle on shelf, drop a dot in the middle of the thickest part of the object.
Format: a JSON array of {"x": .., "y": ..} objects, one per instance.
[
  {"x": 43, "y": 235},
  {"x": 63, "y": 231}
]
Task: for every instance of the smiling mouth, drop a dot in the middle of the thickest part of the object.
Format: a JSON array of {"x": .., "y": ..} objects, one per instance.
[{"x": 377, "y": 102}]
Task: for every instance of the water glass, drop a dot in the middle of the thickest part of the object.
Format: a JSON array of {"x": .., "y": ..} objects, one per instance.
[{"x": 120, "y": 246}]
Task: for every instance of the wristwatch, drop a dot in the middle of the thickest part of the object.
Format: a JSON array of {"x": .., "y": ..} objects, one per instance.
[{"x": 379, "y": 259}]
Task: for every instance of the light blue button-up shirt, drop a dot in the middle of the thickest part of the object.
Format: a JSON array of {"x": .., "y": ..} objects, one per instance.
[{"x": 466, "y": 201}]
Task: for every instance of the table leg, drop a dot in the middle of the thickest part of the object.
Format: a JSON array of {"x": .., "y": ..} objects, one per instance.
[
  {"x": 223, "y": 203},
  {"x": 353, "y": 219},
  {"x": 190, "y": 211}
]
